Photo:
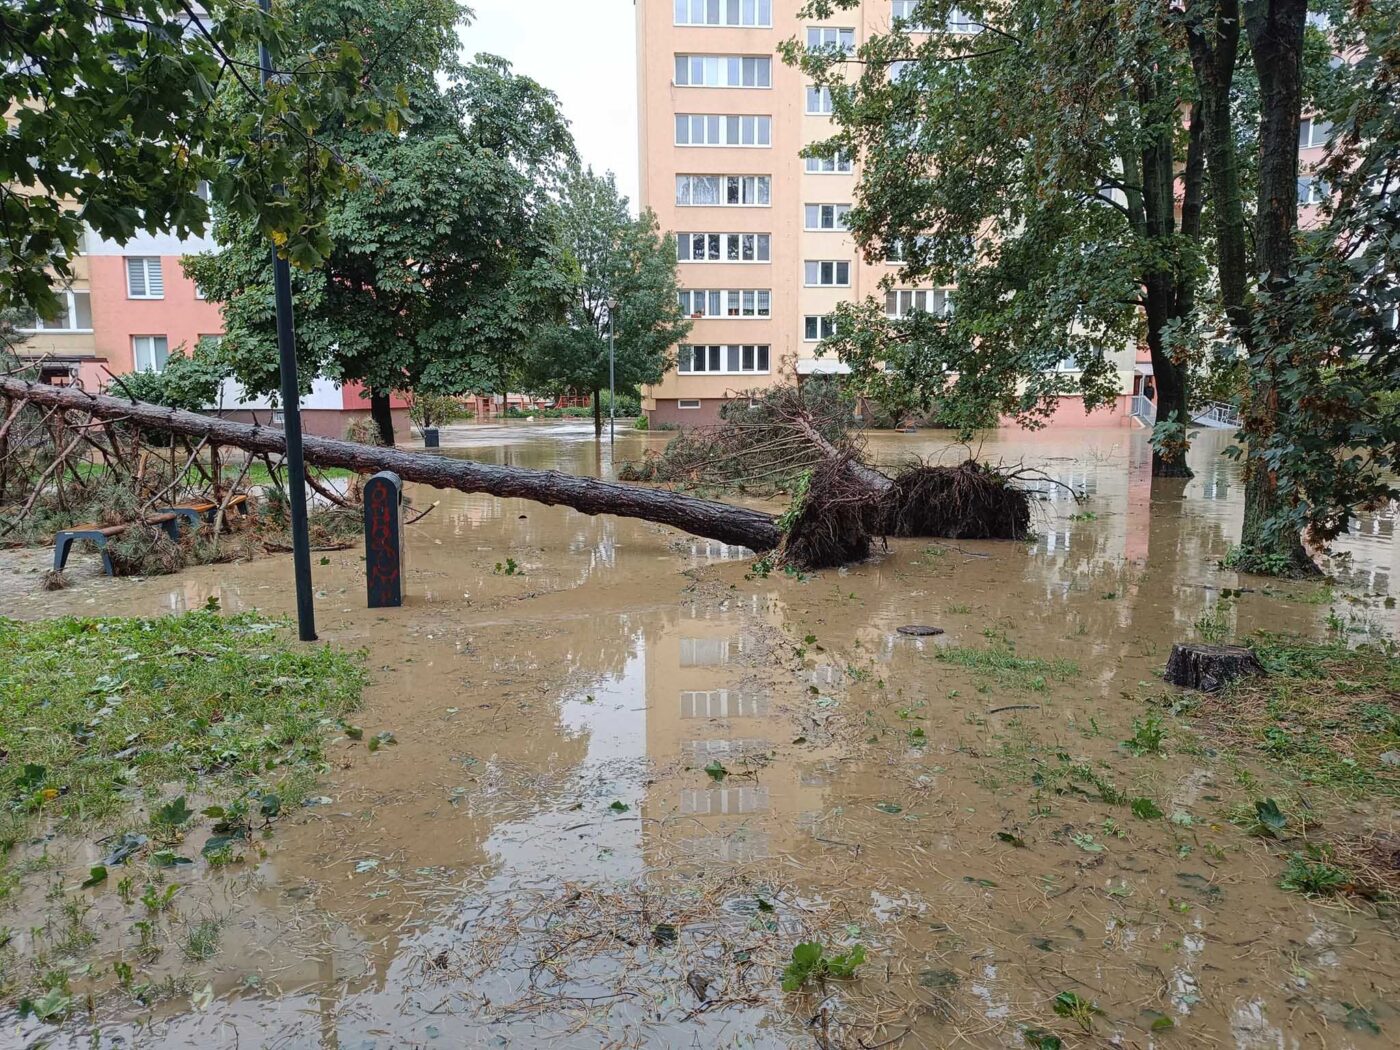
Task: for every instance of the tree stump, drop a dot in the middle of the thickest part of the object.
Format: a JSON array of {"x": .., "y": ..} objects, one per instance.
[{"x": 1210, "y": 667}]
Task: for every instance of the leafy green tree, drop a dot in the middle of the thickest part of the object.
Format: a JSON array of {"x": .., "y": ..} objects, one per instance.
[
  {"x": 1033, "y": 165},
  {"x": 118, "y": 110},
  {"x": 619, "y": 271},
  {"x": 440, "y": 262}
]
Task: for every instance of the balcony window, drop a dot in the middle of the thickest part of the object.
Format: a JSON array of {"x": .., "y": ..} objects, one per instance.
[{"x": 75, "y": 315}]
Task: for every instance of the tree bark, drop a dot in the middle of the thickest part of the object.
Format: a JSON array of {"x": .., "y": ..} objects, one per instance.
[
  {"x": 701, "y": 517},
  {"x": 383, "y": 415},
  {"x": 1213, "y": 38},
  {"x": 1210, "y": 667},
  {"x": 1275, "y": 29},
  {"x": 597, "y": 414}
]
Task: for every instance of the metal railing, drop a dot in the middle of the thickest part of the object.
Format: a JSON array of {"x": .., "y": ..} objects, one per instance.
[
  {"x": 1217, "y": 414},
  {"x": 1142, "y": 409}
]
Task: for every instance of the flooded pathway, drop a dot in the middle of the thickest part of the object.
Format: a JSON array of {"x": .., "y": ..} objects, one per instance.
[{"x": 631, "y": 776}]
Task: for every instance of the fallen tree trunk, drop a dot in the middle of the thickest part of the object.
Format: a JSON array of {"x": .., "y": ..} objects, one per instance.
[{"x": 701, "y": 517}]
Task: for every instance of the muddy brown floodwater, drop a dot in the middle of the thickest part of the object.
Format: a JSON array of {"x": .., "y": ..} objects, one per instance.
[{"x": 544, "y": 860}]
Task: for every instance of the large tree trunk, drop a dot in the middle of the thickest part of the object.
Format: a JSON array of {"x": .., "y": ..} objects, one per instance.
[
  {"x": 1275, "y": 30},
  {"x": 713, "y": 520},
  {"x": 1213, "y": 38},
  {"x": 383, "y": 415},
  {"x": 1160, "y": 283}
]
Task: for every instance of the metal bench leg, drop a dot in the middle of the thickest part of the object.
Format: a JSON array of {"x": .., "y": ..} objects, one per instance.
[
  {"x": 61, "y": 546},
  {"x": 106, "y": 558}
]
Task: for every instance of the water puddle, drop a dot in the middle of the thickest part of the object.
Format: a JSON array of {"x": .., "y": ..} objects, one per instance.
[{"x": 631, "y": 778}]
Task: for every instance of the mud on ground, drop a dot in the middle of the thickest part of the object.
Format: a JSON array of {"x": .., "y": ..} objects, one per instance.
[{"x": 630, "y": 777}]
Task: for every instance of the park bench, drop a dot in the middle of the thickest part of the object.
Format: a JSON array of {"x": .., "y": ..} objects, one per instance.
[
  {"x": 199, "y": 510},
  {"x": 168, "y": 518},
  {"x": 64, "y": 539}
]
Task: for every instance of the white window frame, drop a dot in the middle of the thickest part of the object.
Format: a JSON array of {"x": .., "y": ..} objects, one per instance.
[
  {"x": 1312, "y": 190},
  {"x": 918, "y": 300},
  {"x": 729, "y": 304},
  {"x": 825, "y": 326},
  {"x": 821, "y": 37},
  {"x": 725, "y": 248},
  {"x": 756, "y": 14},
  {"x": 725, "y": 359},
  {"x": 839, "y": 212},
  {"x": 155, "y": 366},
  {"x": 840, "y": 165},
  {"x": 725, "y": 130},
  {"x": 960, "y": 23},
  {"x": 756, "y": 185},
  {"x": 904, "y": 9},
  {"x": 820, "y": 98},
  {"x": 687, "y": 403},
  {"x": 825, "y": 267},
  {"x": 1308, "y": 137},
  {"x": 70, "y": 315},
  {"x": 729, "y": 71},
  {"x": 143, "y": 263}
]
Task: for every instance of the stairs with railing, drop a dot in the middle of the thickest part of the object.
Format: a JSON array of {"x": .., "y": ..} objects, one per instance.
[{"x": 1216, "y": 415}]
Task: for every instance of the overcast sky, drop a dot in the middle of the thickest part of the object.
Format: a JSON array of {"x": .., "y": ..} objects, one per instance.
[{"x": 589, "y": 61}]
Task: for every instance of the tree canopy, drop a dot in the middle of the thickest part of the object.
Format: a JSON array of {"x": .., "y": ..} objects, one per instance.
[
  {"x": 618, "y": 271},
  {"x": 117, "y": 111},
  {"x": 441, "y": 260}
]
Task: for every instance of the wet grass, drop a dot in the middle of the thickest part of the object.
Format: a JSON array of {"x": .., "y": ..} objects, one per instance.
[
  {"x": 1325, "y": 714},
  {"x": 91, "y": 709},
  {"x": 1000, "y": 664}
]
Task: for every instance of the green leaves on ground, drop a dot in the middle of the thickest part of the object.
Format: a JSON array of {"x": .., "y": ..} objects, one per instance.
[
  {"x": 1145, "y": 809},
  {"x": 225, "y": 701},
  {"x": 810, "y": 961},
  {"x": 1077, "y": 1009},
  {"x": 1269, "y": 819}
]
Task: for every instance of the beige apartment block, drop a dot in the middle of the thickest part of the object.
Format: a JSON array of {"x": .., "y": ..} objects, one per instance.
[{"x": 763, "y": 253}]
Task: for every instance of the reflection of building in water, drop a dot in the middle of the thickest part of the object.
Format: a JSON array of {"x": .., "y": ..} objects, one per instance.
[
  {"x": 723, "y": 703},
  {"x": 1213, "y": 482},
  {"x": 708, "y": 701}
]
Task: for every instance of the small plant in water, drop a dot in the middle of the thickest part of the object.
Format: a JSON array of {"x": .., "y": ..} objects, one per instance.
[
  {"x": 510, "y": 568},
  {"x": 1078, "y": 1010},
  {"x": 158, "y": 900},
  {"x": 1313, "y": 875},
  {"x": 1148, "y": 734},
  {"x": 810, "y": 960}
]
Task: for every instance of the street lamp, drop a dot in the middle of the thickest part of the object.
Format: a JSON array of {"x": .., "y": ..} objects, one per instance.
[
  {"x": 614, "y": 308},
  {"x": 291, "y": 415}
]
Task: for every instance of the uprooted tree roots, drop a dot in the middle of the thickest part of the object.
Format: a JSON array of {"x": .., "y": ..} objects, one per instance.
[{"x": 797, "y": 440}]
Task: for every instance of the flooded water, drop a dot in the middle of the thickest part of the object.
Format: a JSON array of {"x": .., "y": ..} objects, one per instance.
[{"x": 544, "y": 859}]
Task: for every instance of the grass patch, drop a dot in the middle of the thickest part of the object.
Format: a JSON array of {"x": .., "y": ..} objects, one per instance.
[
  {"x": 92, "y": 708},
  {"x": 1324, "y": 714},
  {"x": 1006, "y": 668}
]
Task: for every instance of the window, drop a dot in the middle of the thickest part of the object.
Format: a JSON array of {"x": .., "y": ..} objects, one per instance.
[
  {"x": 1312, "y": 190},
  {"x": 825, "y": 216},
  {"x": 960, "y": 21},
  {"x": 836, "y": 164},
  {"x": 714, "y": 129},
  {"x": 905, "y": 301},
  {"x": 819, "y": 37},
  {"x": 905, "y": 9},
  {"x": 143, "y": 277},
  {"x": 900, "y": 69},
  {"x": 896, "y": 251},
  {"x": 723, "y": 247},
  {"x": 724, "y": 71},
  {"x": 826, "y": 273},
  {"x": 1313, "y": 133},
  {"x": 818, "y": 100},
  {"x": 201, "y": 190},
  {"x": 816, "y": 327},
  {"x": 688, "y": 402},
  {"x": 698, "y": 191},
  {"x": 726, "y": 302},
  {"x": 724, "y": 13},
  {"x": 75, "y": 315},
  {"x": 149, "y": 352},
  {"x": 735, "y": 359}
]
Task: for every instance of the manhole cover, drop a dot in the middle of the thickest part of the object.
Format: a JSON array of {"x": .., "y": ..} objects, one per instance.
[{"x": 919, "y": 630}]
